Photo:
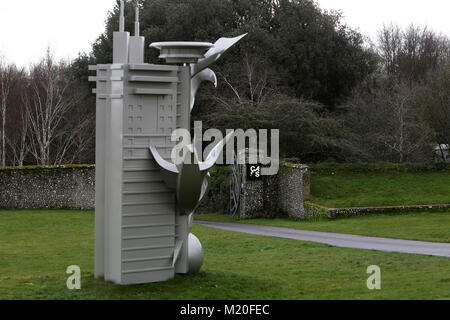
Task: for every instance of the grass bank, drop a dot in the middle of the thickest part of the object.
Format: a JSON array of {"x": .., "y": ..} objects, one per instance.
[
  {"x": 345, "y": 189},
  {"x": 37, "y": 246}
]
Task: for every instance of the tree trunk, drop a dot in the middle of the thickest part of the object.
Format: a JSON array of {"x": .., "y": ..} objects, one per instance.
[{"x": 3, "y": 132}]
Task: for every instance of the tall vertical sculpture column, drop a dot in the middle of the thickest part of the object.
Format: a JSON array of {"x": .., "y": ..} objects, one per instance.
[{"x": 145, "y": 202}]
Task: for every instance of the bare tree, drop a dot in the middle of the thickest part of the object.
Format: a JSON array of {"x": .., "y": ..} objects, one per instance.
[
  {"x": 411, "y": 53},
  {"x": 383, "y": 113},
  {"x": 73, "y": 141},
  {"x": 49, "y": 103},
  {"x": 17, "y": 139},
  {"x": 19, "y": 143},
  {"x": 256, "y": 83},
  {"x": 389, "y": 47},
  {"x": 8, "y": 74},
  {"x": 433, "y": 100},
  {"x": 258, "y": 79},
  {"x": 405, "y": 133}
]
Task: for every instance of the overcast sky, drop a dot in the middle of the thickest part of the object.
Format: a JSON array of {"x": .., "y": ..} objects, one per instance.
[
  {"x": 369, "y": 15},
  {"x": 28, "y": 27}
]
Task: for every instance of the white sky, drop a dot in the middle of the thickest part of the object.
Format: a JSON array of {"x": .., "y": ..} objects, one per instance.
[
  {"x": 28, "y": 27},
  {"x": 369, "y": 15}
]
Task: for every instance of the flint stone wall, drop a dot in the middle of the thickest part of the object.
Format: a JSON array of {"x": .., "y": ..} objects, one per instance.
[
  {"x": 279, "y": 195},
  {"x": 71, "y": 187}
]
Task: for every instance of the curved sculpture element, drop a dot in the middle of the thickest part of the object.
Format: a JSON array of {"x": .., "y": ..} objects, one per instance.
[
  {"x": 214, "y": 154},
  {"x": 168, "y": 169},
  {"x": 190, "y": 179},
  {"x": 213, "y": 54},
  {"x": 190, "y": 221},
  {"x": 195, "y": 255},
  {"x": 204, "y": 75},
  {"x": 190, "y": 183},
  {"x": 205, "y": 188},
  {"x": 169, "y": 166}
]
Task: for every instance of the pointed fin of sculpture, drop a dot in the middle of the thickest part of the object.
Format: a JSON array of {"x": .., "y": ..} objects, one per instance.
[
  {"x": 213, "y": 54},
  {"x": 169, "y": 171},
  {"x": 177, "y": 251},
  {"x": 164, "y": 164},
  {"x": 189, "y": 184},
  {"x": 205, "y": 186},
  {"x": 214, "y": 154},
  {"x": 190, "y": 221},
  {"x": 205, "y": 75}
]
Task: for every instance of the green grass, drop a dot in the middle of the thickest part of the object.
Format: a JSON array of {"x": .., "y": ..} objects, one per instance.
[
  {"x": 343, "y": 190},
  {"x": 37, "y": 246},
  {"x": 424, "y": 226}
]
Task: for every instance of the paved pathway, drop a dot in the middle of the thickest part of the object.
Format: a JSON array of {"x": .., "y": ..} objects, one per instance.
[{"x": 338, "y": 239}]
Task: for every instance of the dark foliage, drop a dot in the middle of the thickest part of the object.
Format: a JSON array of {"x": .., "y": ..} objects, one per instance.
[{"x": 311, "y": 51}]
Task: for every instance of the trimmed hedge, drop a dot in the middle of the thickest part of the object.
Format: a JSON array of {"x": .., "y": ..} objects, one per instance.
[
  {"x": 37, "y": 169},
  {"x": 64, "y": 166}
]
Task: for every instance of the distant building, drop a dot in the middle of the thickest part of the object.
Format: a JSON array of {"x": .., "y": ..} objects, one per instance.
[{"x": 442, "y": 152}]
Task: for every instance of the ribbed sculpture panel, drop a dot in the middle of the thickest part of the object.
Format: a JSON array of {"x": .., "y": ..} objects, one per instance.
[{"x": 137, "y": 105}]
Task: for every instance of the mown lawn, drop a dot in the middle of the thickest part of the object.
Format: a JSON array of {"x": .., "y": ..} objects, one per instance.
[
  {"x": 424, "y": 226},
  {"x": 342, "y": 190},
  {"x": 37, "y": 246}
]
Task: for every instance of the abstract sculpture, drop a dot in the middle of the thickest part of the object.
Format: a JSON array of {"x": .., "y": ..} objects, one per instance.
[{"x": 144, "y": 202}]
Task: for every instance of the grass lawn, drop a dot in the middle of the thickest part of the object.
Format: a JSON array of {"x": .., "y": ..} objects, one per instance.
[
  {"x": 37, "y": 246},
  {"x": 342, "y": 190},
  {"x": 425, "y": 226}
]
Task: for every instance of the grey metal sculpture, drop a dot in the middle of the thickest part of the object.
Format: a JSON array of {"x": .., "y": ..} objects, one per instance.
[
  {"x": 213, "y": 54},
  {"x": 144, "y": 201},
  {"x": 204, "y": 75}
]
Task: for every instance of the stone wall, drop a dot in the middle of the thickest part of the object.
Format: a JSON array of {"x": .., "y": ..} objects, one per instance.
[
  {"x": 73, "y": 187},
  {"x": 70, "y": 187},
  {"x": 273, "y": 196}
]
